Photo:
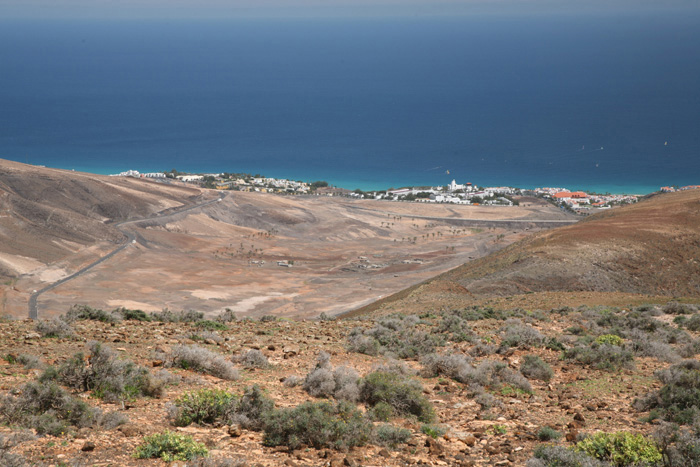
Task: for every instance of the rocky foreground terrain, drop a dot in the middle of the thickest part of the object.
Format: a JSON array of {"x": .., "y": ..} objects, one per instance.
[{"x": 471, "y": 386}]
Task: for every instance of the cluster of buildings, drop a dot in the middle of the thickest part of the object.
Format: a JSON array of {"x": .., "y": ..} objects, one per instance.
[
  {"x": 581, "y": 201},
  {"x": 262, "y": 184},
  {"x": 453, "y": 193},
  {"x": 671, "y": 189},
  {"x": 137, "y": 174}
]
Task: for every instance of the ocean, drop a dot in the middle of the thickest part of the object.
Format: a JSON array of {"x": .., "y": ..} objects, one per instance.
[{"x": 602, "y": 103}]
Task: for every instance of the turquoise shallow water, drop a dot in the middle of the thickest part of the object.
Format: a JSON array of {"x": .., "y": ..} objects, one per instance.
[{"x": 590, "y": 102}]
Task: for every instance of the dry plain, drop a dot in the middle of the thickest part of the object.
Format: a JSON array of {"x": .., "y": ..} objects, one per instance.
[{"x": 342, "y": 253}]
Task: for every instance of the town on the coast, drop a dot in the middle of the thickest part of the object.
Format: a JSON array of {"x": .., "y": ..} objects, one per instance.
[{"x": 453, "y": 193}]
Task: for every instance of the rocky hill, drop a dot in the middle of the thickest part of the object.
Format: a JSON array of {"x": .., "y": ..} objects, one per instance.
[
  {"x": 651, "y": 248},
  {"x": 47, "y": 214}
]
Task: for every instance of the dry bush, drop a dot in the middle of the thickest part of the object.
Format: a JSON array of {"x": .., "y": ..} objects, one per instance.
[
  {"x": 106, "y": 375},
  {"x": 450, "y": 365},
  {"x": 678, "y": 400},
  {"x": 534, "y": 367},
  {"x": 47, "y": 408},
  {"x": 199, "y": 359},
  {"x": 319, "y": 425},
  {"x": 517, "y": 334},
  {"x": 325, "y": 381},
  {"x": 167, "y": 316},
  {"x": 396, "y": 335},
  {"x": 252, "y": 359},
  {"x": 54, "y": 328}
]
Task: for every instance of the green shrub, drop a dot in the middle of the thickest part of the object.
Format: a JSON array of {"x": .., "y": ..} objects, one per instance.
[
  {"x": 535, "y": 368},
  {"x": 134, "y": 315},
  {"x": 390, "y": 435},
  {"x": 211, "y": 325},
  {"x": 170, "y": 447},
  {"x": 553, "y": 344},
  {"x": 381, "y": 412},
  {"x": 85, "y": 312},
  {"x": 621, "y": 449},
  {"x": 226, "y": 316},
  {"x": 610, "y": 339},
  {"x": 203, "y": 406},
  {"x": 404, "y": 394},
  {"x": 547, "y": 433},
  {"x": 601, "y": 356},
  {"x": 212, "y": 406},
  {"x": 317, "y": 424},
  {"x": 434, "y": 431},
  {"x": 693, "y": 323},
  {"x": 678, "y": 400}
]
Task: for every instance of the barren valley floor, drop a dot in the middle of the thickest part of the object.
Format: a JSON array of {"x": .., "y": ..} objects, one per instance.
[{"x": 342, "y": 253}]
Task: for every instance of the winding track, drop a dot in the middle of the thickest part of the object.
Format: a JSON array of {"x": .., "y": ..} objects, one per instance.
[{"x": 130, "y": 237}]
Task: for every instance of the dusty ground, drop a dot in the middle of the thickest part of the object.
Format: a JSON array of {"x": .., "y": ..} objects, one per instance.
[
  {"x": 345, "y": 253},
  {"x": 577, "y": 400}
]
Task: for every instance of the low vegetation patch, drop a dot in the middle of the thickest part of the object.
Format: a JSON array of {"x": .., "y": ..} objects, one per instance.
[
  {"x": 534, "y": 367},
  {"x": 546, "y": 455},
  {"x": 199, "y": 359},
  {"x": 205, "y": 406},
  {"x": 678, "y": 400},
  {"x": 398, "y": 335},
  {"x": 403, "y": 394},
  {"x": 85, "y": 312},
  {"x": 318, "y": 424},
  {"x": 167, "y": 316},
  {"x": 326, "y": 381},
  {"x": 170, "y": 447},
  {"x": 390, "y": 435},
  {"x": 54, "y": 328},
  {"x": 621, "y": 449},
  {"x": 49, "y": 409},
  {"x": 253, "y": 359},
  {"x": 216, "y": 406},
  {"x": 601, "y": 356},
  {"x": 106, "y": 375}
]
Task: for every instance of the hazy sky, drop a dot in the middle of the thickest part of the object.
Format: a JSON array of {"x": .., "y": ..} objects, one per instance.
[{"x": 40, "y": 9}]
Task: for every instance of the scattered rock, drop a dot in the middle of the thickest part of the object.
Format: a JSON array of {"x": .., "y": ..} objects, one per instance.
[
  {"x": 88, "y": 446},
  {"x": 290, "y": 351},
  {"x": 234, "y": 431}
]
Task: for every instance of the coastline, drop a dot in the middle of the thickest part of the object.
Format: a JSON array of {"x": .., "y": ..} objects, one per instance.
[{"x": 359, "y": 182}]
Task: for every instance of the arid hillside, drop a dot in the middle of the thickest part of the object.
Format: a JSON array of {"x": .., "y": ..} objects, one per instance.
[
  {"x": 48, "y": 214},
  {"x": 652, "y": 247},
  {"x": 64, "y": 241},
  {"x": 640, "y": 253}
]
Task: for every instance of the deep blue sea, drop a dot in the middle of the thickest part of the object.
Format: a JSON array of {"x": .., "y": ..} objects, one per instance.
[{"x": 607, "y": 103}]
